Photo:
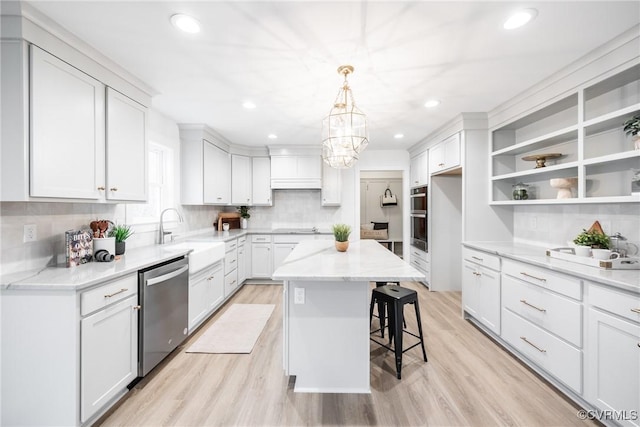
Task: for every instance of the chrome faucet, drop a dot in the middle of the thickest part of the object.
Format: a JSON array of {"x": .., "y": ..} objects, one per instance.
[{"x": 162, "y": 232}]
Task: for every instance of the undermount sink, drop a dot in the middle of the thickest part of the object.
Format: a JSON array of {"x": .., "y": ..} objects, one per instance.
[{"x": 202, "y": 253}]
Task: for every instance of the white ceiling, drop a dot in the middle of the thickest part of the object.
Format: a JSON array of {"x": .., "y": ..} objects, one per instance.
[{"x": 283, "y": 56}]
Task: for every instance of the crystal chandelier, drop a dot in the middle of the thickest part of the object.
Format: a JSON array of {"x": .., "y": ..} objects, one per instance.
[{"x": 344, "y": 130}]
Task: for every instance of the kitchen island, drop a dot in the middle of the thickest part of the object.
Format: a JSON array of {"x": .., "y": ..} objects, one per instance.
[{"x": 326, "y": 312}]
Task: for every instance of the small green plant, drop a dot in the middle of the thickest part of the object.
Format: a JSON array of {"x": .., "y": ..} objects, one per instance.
[
  {"x": 595, "y": 240},
  {"x": 244, "y": 212},
  {"x": 632, "y": 126},
  {"x": 121, "y": 232},
  {"x": 341, "y": 232}
]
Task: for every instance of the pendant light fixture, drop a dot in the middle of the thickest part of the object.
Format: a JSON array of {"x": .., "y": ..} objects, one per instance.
[{"x": 344, "y": 130}]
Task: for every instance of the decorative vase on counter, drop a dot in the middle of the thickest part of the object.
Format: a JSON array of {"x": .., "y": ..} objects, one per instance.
[
  {"x": 342, "y": 246},
  {"x": 104, "y": 243},
  {"x": 120, "y": 248},
  {"x": 244, "y": 223}
]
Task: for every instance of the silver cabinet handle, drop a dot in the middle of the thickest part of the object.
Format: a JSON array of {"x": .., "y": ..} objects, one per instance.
[
  {"x": 476, "y": 258},
  {"x": 636, "y": 310},
  {"x": 113, "y": 189},
  {"x": 524, "y": 301},
  {"x": 475, "y": 273},
  {"x": 533, "y": 277},
  {"x": 136, "y": 307},
  {"x": 116, "y": 293},
  {"x": 533, "y": 345},
  {"x": 101, "y": 188},
  {"x": 165, "y": 277},
  {"x": 210, "y": 277},
  {"x": 233, "y": 260},
  {"x": 233, "y": 282}
]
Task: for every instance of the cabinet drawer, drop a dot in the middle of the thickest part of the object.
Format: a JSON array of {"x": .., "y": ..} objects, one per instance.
[
  {"x": 230, "y": 282},
  {"x": 550, "y": 353},
  {"x": 230, "y": 261},
  {"x": 242, "y": 240},
  {"x": 616, "y": 302},
  {"x": 557, "y": 282},
  {"x": 260, "y": 238},
  {"x": 420, "y": 264},
  {"x": 108, "y": 293},
  {"x": 482, "y": 258},
  {"x": 231, "y": 245},
  {"x": 557, "y": 314}
]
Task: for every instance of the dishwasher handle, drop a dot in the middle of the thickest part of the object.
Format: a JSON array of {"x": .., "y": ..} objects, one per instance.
[{"x": 165, "y": 277}]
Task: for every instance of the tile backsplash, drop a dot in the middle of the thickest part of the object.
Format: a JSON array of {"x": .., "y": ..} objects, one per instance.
[{"x": 554, "y": 225}]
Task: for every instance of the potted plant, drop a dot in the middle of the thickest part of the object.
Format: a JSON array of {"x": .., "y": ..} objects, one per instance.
[
  {"x": 244, "y": 215},
  {"x": 592, "y": 239},
  {"x": 632, "y": 128},
  {"x": 341, "y": 233},
  {"x": 121, "y": 233}
]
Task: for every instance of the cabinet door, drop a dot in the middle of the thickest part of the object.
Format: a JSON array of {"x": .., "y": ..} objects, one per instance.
[
  {"x": 261, "y": 176},
  {"x": 241, "y": 180},
  {"x": 126, "y": 148},
  {"x": 309, "y": 167},
  {"x": 331, "y": 186},
  {"x": 470, "y": 280},
  {"x": 67, "y": 130},
  {"x": 198, "y": 299},
  {"x": 414, "y": 171},
  {"x": 489, "y": 298},
  {"x": 109, "y": 354},
  {"x": 436, "y": 158},
  {"x": 452, "y": 151},
  {"x": 280, "y": 252},
  {"x": 242, "y": 264},
  {"x": 217, "y": 175},
  {"x": 215, "y": 294},
  {"x": 261, "y": 260},
  {"x": 614, "y": 363}
]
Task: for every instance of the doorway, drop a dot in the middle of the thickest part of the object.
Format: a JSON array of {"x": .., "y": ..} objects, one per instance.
[{"x": 374, "y": 216}]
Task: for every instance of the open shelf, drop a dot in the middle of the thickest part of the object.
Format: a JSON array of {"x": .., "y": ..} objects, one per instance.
[{"x": 590, "y": 138}]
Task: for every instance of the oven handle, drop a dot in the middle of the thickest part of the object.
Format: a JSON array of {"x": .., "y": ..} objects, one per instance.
[
  {"x": 419, "y": 215},
  {"x": 165, "y": 277}
]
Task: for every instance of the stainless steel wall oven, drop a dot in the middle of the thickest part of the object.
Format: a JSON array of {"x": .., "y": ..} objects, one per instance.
[{"x": 419, "y": 215}]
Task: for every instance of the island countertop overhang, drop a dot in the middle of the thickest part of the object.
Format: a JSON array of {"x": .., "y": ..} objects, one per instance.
[{"x": 365, "y": 260}]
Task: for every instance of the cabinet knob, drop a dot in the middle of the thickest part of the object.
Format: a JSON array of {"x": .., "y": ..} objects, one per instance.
[
  {"x": 210, "y": 277},
  {"x": 136, "y": 307},
  {"x": 101, "y": 188},
  {"x": 248, "y": 200},
  {"x": 440, "y": 164},
  {"x": 113, "y": 189}
]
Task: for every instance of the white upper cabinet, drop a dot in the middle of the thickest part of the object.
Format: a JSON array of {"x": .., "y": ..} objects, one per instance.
[
  {"x": 241, "y": 180},
  {"x": 217, "y": 175},
  {"x": 261, "y": 181},
  {"x": 419, "y": 170},
  {"x": 67, "y": 135},
  {"x": 67, "y": 130},
  {"x": 126, "y": 148},
  {"x": 295, "y": 168},
  {"x": 331, "y": 185},
  {"x": 445, "y": 155}
]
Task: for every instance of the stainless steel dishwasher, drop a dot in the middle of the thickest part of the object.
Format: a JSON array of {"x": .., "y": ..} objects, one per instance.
[{"x": 164, "y": 313}]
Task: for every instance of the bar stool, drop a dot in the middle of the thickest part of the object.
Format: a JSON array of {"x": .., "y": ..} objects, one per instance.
[
  {"x": 395, "y": 297},
  {"x": 382, "y": 310}
]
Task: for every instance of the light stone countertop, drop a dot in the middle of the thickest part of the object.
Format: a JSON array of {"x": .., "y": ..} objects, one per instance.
[
  {"x": 365, "y": 260},
  {"x": 628, "y": 280},
  {"x": 60, "y": 278}
]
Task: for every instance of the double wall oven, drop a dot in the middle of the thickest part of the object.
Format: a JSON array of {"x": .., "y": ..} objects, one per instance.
[{"x": 419, "y": 238}]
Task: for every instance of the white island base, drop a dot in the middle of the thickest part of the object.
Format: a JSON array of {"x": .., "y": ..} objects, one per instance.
[
  {"x": 326, "y": 312},
  {"x": 327, "y": 337}
]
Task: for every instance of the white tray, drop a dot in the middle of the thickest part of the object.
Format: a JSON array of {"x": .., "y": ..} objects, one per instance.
[{"x": 568, "y": 254}]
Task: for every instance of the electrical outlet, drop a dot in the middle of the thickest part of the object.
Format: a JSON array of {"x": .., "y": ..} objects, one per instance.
[
  {"x": 298, "y": 296},
  {"x": 30, "y": 233}
]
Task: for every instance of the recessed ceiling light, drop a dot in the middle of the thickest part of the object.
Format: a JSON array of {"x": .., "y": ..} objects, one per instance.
[
  {"x": 520, "y": 18},
  {"x": 432, "y": 103},
  {"x": 185, "y": 23},
  {"x": 272, "y": 136},
  {"x": 249, "y": 105},
  {"x": 398, "y": 136}
]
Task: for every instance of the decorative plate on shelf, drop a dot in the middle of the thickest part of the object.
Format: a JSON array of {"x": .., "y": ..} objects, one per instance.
[{"x": 540, "y": 159}]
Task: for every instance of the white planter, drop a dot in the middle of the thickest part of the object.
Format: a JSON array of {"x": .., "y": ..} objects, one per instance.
[
  {"x": 244, "y": 223},
  {"x": 106, "y": 243}
]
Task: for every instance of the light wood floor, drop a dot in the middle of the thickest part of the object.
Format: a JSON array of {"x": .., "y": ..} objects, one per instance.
[{"x": 468, "y": 380}]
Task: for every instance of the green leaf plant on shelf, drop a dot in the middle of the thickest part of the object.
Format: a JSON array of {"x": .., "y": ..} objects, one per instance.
[{"x": 632, "y": 128}]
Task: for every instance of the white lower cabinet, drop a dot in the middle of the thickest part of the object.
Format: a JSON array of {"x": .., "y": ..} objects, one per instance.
[
  {"x": 109, "y": 354},
  {"x": 242, "y": 260},
  {"x": 420, "y": 260},
  {"x": 231, "y": 267},
  {"x": 206, "y": 292},
  {"x": 612, "y": 377},
  {"x": 280, "y": 252},
  {"x": 261, "y": 258},
  {"x": 481, "y": 291}
]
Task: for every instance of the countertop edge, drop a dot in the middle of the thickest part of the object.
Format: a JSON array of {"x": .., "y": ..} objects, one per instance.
[{"x": 566, "y": 267}]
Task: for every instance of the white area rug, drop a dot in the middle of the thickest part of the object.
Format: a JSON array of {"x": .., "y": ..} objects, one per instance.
[{"x": 236, "y": 331}]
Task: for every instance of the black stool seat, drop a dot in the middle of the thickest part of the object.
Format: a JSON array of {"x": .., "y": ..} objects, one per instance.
[{"x": 395, "y": 297}]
